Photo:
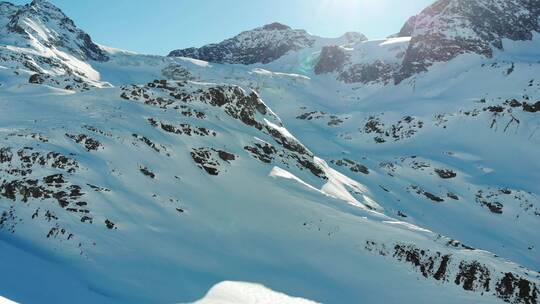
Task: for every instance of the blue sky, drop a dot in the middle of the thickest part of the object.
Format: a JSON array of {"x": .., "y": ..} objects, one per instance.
[{"x": 159, "y": 26}]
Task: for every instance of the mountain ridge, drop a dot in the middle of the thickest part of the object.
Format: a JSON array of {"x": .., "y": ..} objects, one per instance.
[{"x": 260, "y": 45}]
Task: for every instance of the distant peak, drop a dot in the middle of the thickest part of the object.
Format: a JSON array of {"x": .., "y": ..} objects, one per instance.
[
  {"x": 44, "y": 5},
  {"x": 40, "y": 2},
  {"x": 276, "y": 26},
  {"x": 354, "y": 37}
]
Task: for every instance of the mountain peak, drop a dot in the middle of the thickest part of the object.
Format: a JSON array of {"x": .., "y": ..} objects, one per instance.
[
  {"x": 45, "y": 7},
  {"x": 43, "y": 26},
  {"x": 261, "y": 45},
  {"x": 41, "y": 2},
  {"x": 353, "y": 37},
  {"x": 276, "y": 26}
]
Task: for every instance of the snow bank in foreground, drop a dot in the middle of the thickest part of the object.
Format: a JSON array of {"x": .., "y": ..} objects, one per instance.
[
  {"x": 241, "y": 292},
  {"x": 6, "y": 301}
]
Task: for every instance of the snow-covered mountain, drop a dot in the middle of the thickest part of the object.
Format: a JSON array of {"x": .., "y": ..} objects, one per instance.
[
  {"x": 263, "y": 45},
  {"x": 46, "y": 46},
  {"x": 449, "y": 28},
  {"x": 289, "y": 164}
]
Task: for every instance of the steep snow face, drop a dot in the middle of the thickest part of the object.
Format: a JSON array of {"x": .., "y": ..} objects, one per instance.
[
  {"x": 261, "y": 45},
  {"x": 38, "y": 40},
  {"x": 449, "y": 28}
]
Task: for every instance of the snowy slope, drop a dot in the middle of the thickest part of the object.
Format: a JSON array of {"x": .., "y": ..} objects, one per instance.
[
  {"x": 84, "y": 204},
  {"x": 163, "y": 179}
]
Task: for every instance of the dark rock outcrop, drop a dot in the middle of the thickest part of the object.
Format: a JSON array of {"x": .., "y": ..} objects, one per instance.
[
  {"x": 377, "y": 71},
  {"x": 332, "y": 59},
  {"x": 472, "y": 275}
]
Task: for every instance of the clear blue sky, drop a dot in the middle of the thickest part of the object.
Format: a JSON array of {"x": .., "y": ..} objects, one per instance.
[{"x": 159, "y": 26}]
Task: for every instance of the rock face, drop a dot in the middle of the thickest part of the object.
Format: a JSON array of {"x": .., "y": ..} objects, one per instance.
[
  {"x": 470, "y": 275},
  {"x": 332, "y": 59},
  {"x": 408, "y": 28},
  {"x": 377, "y": 71},
  {"x": 261, "y": 45},
  {"x": 449, "y": 28}
]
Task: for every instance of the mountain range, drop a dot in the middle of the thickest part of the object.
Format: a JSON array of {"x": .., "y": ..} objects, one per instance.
[{"x": 276, "y": 166}]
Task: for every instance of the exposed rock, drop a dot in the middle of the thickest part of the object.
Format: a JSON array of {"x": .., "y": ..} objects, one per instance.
[
  {"x": 332, "y": 59},
  {"x": 182, "y": 129},
  {"x": 352, "y": 165},
  {"x": 493, "y": 206},
  {"x": 514, "y": 289},
  {"x": 36, "y": 79},
  {"x": 428, "y": 195},
  {"x": 532, "y": 108},
  {"x": 471, "y": 275},
  {"x": 109, "y": 224},
  {"x": 445, "y": 173},
  {"x": 405, "y": 128},
  {"x": 147, "y": 172},
  {"x": 332, "y": 120},
  {"x": 263, "y": 152},
  {"x": 89, "y": 143},
  {"x": 373, "y": 72},
  {"x": 210, "y": 160},
  {"x": 452, "y": 196}
]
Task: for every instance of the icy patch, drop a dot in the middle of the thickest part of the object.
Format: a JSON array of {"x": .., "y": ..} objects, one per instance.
[{"x": 247, "y": 293}]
